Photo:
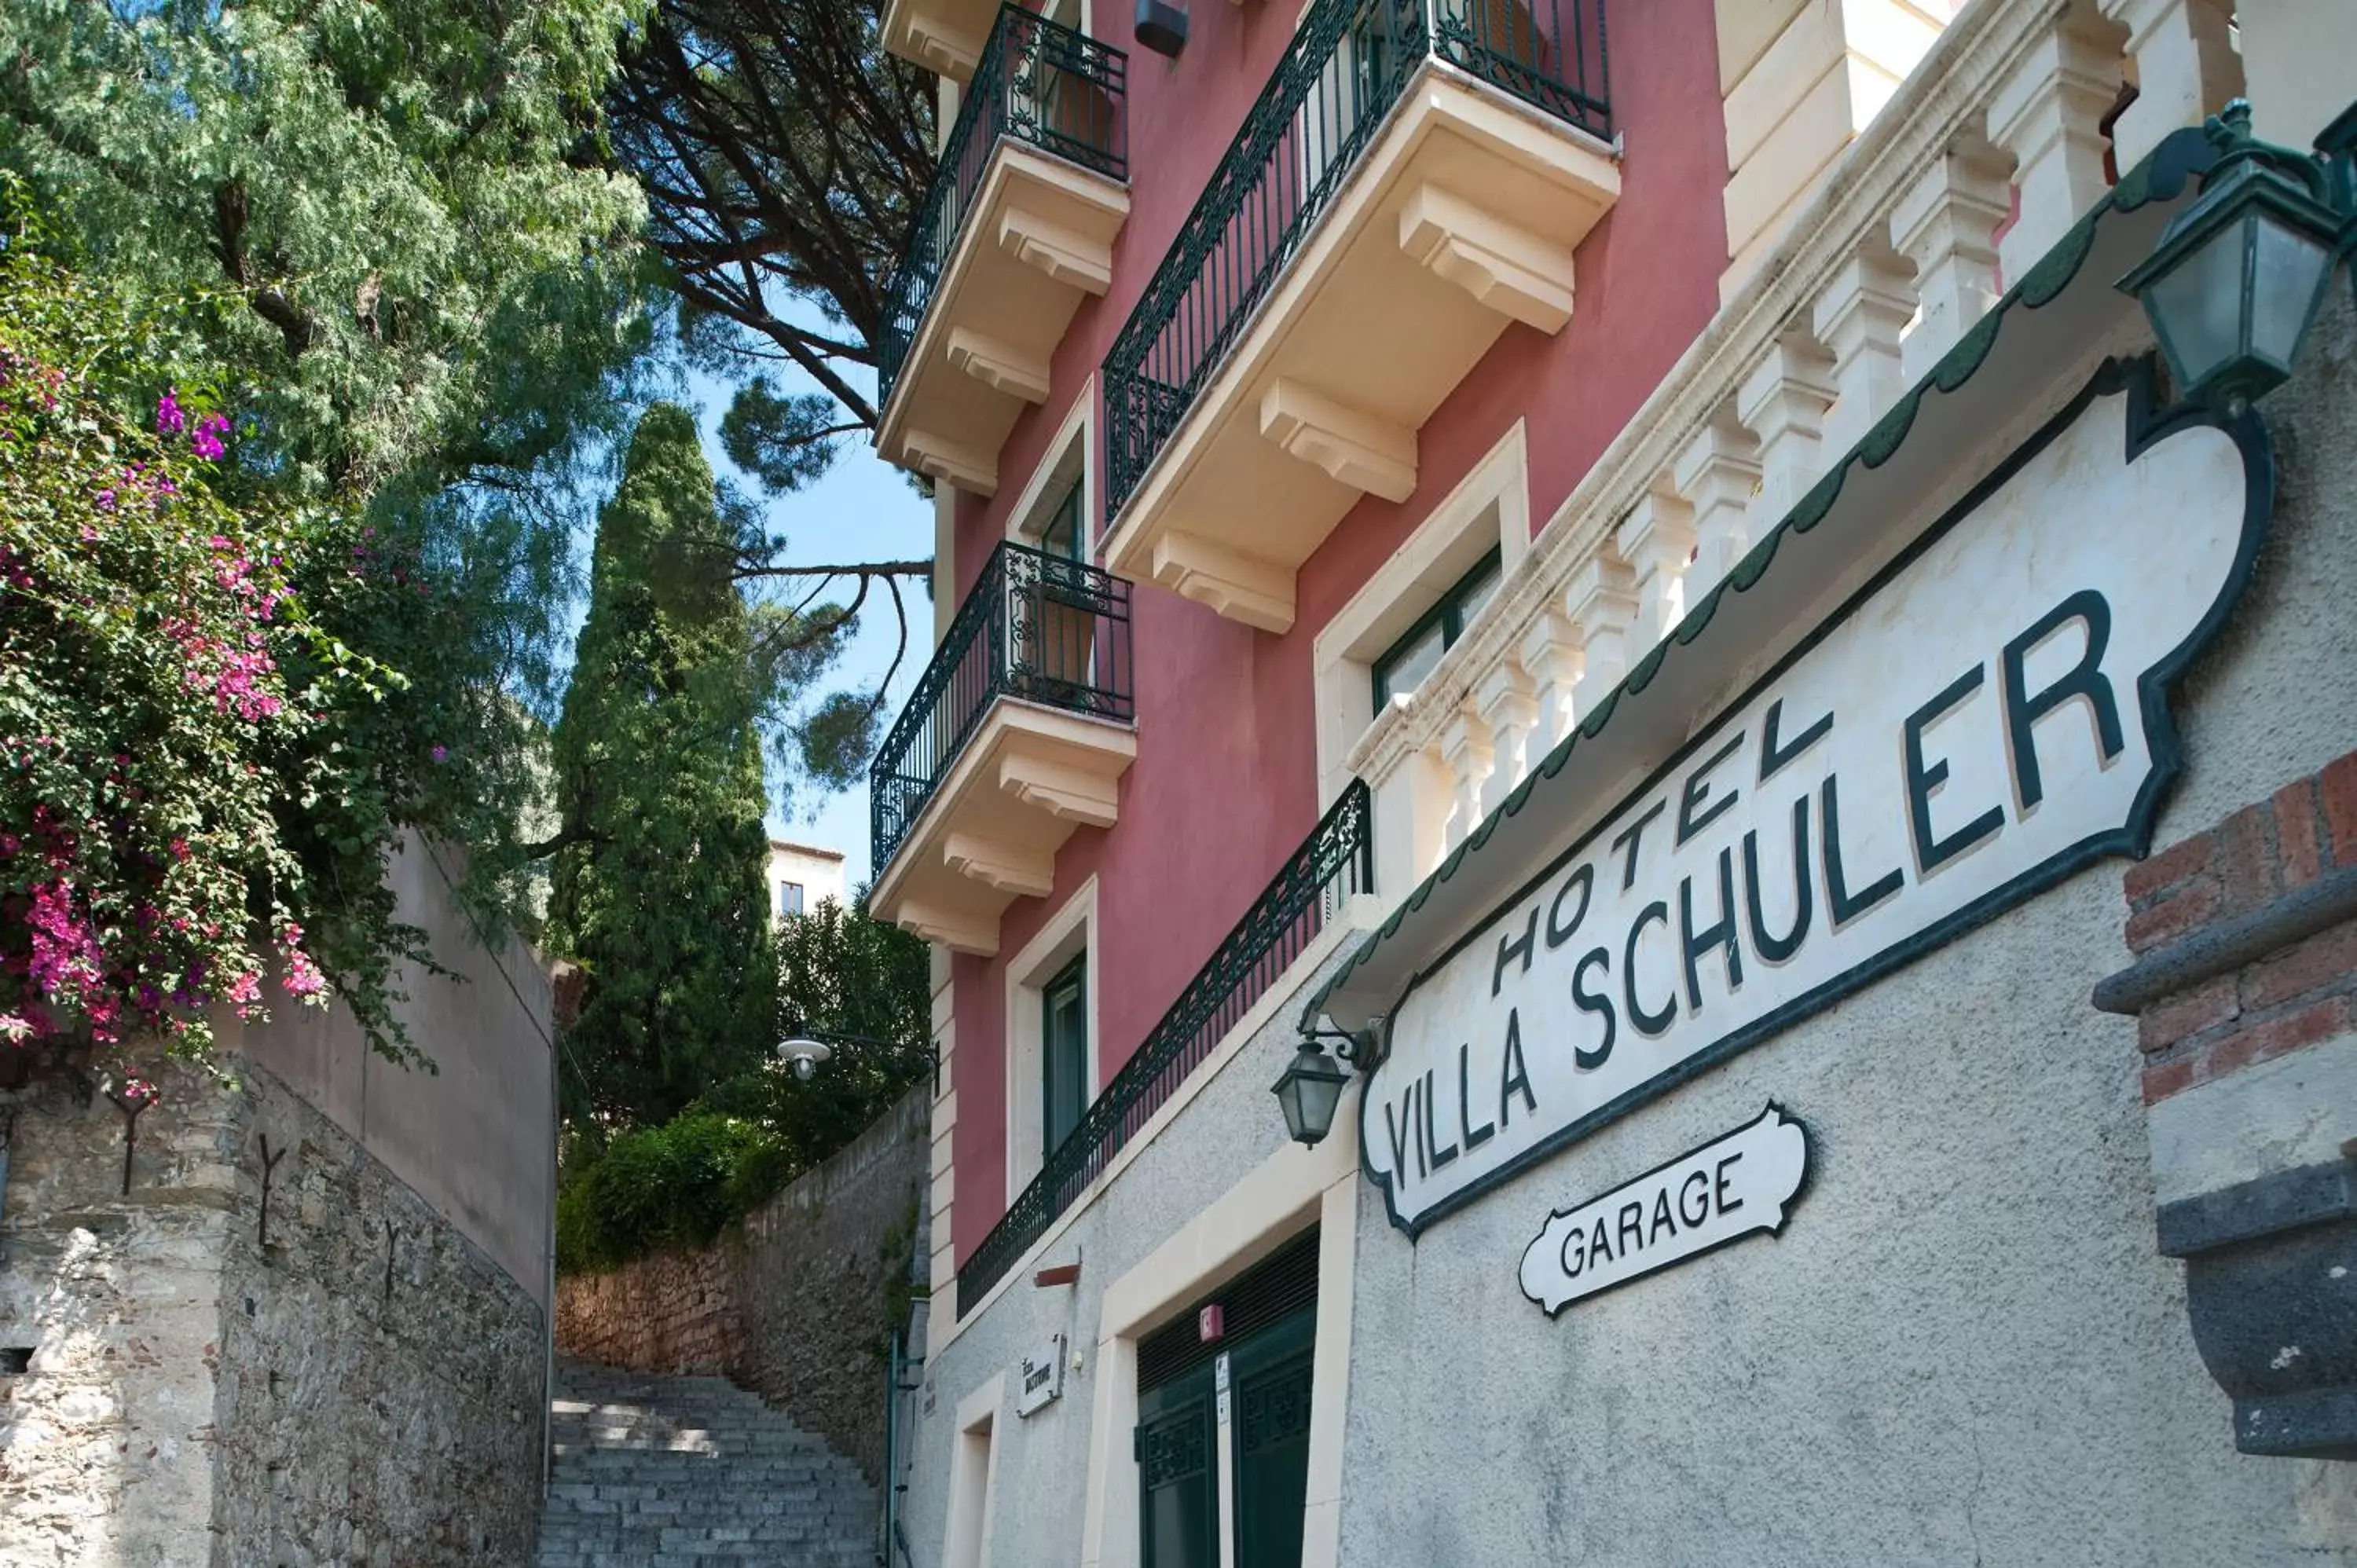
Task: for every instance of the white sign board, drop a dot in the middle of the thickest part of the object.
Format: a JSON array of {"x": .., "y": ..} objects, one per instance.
[
  {"x": 1731, "y": 1188},
  {"x": 1040, "y": 1380},
  {"x": 1982, "y": 720}
]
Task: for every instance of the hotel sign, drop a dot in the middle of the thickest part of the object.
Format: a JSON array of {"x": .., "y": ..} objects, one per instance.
[{"x": 1985, "y": 718}]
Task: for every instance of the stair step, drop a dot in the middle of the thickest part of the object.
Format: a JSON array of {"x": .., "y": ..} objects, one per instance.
[{"x": 654, "y": 1472}]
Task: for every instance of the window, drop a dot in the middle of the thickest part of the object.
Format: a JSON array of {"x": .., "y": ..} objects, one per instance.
[
  {"x": 1401, "y": 668},
  {"x": 1066, "y": 534},
  {"x": 790, "y": 898},
  {"x": 1063, "y": 1053},
  {"x": 1051, "y": 1066}
]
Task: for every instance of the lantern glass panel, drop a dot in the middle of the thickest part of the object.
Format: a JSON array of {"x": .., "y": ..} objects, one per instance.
[
  {"x": 2197, "y": 308},
  {"x": 2289, "y": 274}
]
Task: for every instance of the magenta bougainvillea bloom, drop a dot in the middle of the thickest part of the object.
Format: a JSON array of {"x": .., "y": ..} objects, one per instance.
[
  {"x": 207, "y": 442},
  {"x": 170, "y": 418}
]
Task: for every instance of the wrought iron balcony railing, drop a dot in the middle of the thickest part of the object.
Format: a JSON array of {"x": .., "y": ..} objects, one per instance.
[
  {"x": 1349, "y": 63},
  {"x": 1036, "y": 626},
  {"x": 1335, "y": 861},
  {"x": 1041, "y": 84}
]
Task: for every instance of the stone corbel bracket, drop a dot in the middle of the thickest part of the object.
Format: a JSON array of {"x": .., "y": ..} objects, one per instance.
[{"x": 2244, "y": 990}]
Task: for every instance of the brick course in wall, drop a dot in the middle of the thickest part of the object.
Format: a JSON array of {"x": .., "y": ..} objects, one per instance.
[
  {"x": 793, "y": 1304},
  {"x": 2284, "y": 999}
]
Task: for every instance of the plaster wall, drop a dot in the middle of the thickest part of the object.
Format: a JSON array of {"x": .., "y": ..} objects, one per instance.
[
  {"x": 818, "y": 871},
  {"x": 1041, "y": 1465},
  {"x": 1964, "y": 1347},
  {"x": 1224, "y": 785}
]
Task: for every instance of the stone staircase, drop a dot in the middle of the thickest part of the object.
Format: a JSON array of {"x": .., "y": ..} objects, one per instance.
[{"x": 654, "y": 1472}]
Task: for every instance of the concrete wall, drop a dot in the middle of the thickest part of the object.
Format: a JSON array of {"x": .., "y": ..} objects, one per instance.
[{"x": 796, "y": 1304}]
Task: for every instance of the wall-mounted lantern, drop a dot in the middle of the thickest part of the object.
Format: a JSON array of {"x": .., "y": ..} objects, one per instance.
[
  {"x": 1311, "y": 1088},
  {"x": 2238, "y": 275}
]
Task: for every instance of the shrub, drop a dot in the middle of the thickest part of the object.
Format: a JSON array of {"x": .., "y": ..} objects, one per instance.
[{"x": 676, "y": 1186}]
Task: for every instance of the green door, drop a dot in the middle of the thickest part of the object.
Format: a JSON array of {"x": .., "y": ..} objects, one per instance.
[
  {"x": 1269, "y": 1378},
  {"x": 1178, "y": 1511},
  {"x": 1263, "y": 1418}
]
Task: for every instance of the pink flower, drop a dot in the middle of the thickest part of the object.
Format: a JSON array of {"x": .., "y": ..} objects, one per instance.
[
  {"x": 207, "y": 442},
  {"x": 139, "y": 1092},
  {"x": 170, "y": 420},
  {"x": 15, "y": 1028},
  {"x": 441, "y": 754}
]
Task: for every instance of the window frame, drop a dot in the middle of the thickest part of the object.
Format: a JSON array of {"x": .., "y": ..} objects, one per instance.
[{"x": 800, "y": 899}]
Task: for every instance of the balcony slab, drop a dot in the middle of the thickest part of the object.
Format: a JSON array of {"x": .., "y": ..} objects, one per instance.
[
  {"x": 1037, "y": 240},
  {"x": 1459, "y": 222},
  {"x": 943, "y": 36},
  {"x": 1029, "y": 777}
]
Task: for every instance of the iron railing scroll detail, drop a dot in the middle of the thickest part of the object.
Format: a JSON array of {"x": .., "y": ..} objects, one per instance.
[
  {"x": 1349, "y": 62},
  {"x": 1038, "y": 627},
  {"x": 1334, "y": 862},
  {"x": 1046, "y": 86}
]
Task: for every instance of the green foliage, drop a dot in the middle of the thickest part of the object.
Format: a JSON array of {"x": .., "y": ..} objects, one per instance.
[
  {"x": 201, "y": 770},
  {"x": 677, "y": 1186},
  {"x": 681, "y": 1183},
  {"x": 658, "y": 892},
  {"x": 841, "y": 972},
  {"x": 784, "y": 442},
  {"x": 366, "y": 195}
]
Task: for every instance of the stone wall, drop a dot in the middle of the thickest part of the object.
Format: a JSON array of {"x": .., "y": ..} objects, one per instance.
[
  {"x": 364, "y": 1389},
  {"x": 382, "y": 1381},
  {"x": 369, "y": 1387},
  {"x": 117, "y": 1299},
  {"x": 795, "y": 1304}
]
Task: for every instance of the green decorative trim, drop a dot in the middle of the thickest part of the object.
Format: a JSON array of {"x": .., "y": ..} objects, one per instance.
[{"x": 2163, "y": 175}]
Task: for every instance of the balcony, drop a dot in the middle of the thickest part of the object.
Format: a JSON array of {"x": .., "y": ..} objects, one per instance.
[
  {"x": 1018, "y": 228},
  {"x": 1018, "y": 734},
  {"x": 1334, "y": 862},
  {"x": 1414, "y": 177}
]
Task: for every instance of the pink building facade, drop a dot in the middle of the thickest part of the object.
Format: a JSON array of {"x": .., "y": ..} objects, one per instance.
[{"x": 1358, "y": 429}]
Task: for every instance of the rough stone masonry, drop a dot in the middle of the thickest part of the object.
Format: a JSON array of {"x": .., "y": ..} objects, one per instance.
[{"x": 360, "y": 1385}]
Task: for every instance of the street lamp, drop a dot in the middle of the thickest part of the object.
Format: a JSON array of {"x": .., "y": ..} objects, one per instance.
[
  {"x": 803, "y": 1053},
  {"x": 2237, "y": 277},
  {"x": 1310, "y": 1088},
  {"x": 806, "y": 1049}
]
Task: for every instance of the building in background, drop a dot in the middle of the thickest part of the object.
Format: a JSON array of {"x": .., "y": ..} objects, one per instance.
[
  {"x": 1610, "y": 594},
  {"x": 800, "y": 876}
]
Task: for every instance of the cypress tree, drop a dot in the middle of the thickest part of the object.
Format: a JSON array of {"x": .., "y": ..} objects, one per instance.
[{"x": 658, "y": 891}]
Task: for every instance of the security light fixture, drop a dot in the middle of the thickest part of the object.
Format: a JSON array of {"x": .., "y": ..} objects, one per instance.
[
  {"x": 1310, "y": 1088},
  {"x": 2238, "y": 275},
  {"x": 1162, "y": 28}
]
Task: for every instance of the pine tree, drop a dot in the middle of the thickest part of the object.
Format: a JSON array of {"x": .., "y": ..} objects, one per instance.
[{"x": 660, "y": 893}]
